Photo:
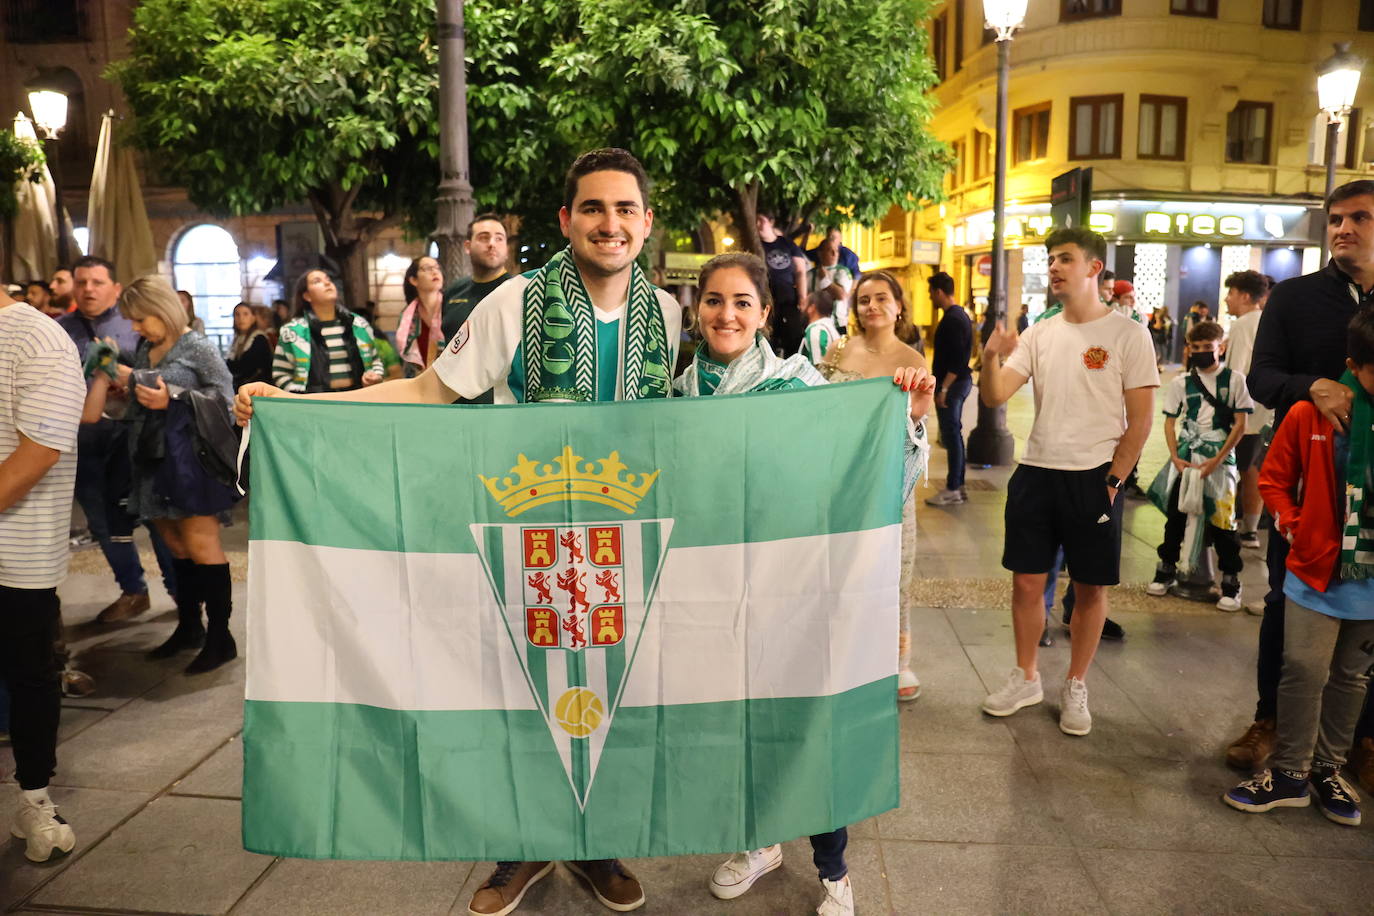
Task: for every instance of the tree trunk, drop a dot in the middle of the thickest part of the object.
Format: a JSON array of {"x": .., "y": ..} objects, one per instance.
[
  {"x": 746, "y": 216},
  {"x": 346, "y": 239}
]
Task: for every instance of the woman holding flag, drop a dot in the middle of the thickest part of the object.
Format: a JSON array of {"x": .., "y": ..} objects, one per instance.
[{"x": 732, "y": 315}]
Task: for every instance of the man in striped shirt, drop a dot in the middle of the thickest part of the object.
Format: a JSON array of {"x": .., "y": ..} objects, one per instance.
[{"x": 41, "y": 395}]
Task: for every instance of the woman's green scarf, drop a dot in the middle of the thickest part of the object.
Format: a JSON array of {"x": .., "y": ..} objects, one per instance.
[
  {"x": 560, "y": 337},
  {"x": 1357, "y": 545}
]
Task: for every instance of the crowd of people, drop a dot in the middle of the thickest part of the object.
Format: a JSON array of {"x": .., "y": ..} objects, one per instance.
[{"x": 109, "y": 404}]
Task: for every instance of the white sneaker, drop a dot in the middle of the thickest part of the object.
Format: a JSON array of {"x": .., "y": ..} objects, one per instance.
[
  {"x": 1074, "y": 718},
  {"x": 839, "y": 898},
  {"x": 1228, "y": 603},
  {"x": 739, "y": 872},
  {"x": 947, "y": 498},
  {"x": 44, "y": 830},
  {"x": 1017, "y": 693},
  {"x": 908, "y": 685}
]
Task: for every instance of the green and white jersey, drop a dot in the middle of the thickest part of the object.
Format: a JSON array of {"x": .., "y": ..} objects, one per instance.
[
  {"x": 1198, "y": 426},
  {"x": 821, "y": 335},
  {"x": 487, "y": 352}
]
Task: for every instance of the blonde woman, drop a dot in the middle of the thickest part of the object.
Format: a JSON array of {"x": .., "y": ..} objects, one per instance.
[
  {"x": 171, "y": 359},
  {"x": 884, "y": 346}
]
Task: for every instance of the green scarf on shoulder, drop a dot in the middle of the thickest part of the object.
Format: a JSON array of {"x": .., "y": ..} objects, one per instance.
[
  {"x": 1357, "y": 545},
  {"x": 560, "y": 337}
]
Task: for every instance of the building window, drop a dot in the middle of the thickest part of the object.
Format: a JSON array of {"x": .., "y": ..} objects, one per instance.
[
  {"x": 939, "y": 51},
  {"x": 1248, "y": 127},
  {"x": 1283, "y": 14},
  {"x": 1206, "y": 8},
  {"x": 1095, "y": 127},
  {"x": 205, "y": 263},
  {"x": 1030, "y": 133},
  {"x": 1070, "y": 10},
  {"x": 958, "y": 35},
  {"x": 983, "y": 152},
  {"x": 1163, "y": 124},
  {"x": 41, "y": 21},
  {"x": 956, "y": 174},
  {"x": 1347, "y": 146},
  {"x": 1367, "y": 15}
]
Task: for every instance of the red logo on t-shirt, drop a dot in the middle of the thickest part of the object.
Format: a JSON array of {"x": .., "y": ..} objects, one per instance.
[
  {"x": 460, "y": 339},
  {"x": 1095, "y": 357}
]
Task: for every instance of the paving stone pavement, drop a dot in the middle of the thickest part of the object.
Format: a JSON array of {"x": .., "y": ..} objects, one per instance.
[{"x": 997, "y": 815}]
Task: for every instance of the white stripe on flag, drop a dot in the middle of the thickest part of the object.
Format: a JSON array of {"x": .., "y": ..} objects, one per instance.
[{"x": 817, "y": 616}]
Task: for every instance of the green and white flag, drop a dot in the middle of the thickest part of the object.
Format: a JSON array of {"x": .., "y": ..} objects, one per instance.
[{"x": 571, "y": 631}]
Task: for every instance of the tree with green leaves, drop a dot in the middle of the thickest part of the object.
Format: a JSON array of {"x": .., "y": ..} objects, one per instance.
[
  {"x": 816, "y": 109},
  {"x": 256, "y": 104}
]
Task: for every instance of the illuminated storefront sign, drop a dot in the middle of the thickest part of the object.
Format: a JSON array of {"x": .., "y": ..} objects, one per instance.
[
  {"x": 1201, "y": 224},
  {"x": 1167, "y": 221}
]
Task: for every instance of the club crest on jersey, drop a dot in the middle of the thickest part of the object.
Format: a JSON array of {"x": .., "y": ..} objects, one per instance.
[
  {"x": 573, "y": 596},
  {"x": 1095, "y": 357}
]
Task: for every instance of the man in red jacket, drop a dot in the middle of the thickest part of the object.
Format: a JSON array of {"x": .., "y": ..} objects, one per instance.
[{"x": 1318, "y": 481}]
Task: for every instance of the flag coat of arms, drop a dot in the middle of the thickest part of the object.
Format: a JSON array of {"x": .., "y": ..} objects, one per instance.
[{"x": 571, "y": 631}]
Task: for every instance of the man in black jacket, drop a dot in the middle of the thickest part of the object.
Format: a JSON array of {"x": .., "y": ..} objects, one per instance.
[
  {"x": 1299, "y": 353},
  {"x": 953, "y": 382}
]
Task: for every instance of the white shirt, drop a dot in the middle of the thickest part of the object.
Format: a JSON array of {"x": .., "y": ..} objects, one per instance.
[
  {"x": 481, "y": 353},
  {"x": 41, "y": 394},
  {"x": 1240, "y": 350},
  {"x": 1080, "y": 372}
]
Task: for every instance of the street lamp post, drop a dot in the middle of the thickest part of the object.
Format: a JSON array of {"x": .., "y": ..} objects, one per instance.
[
  {"x": 49, "y": 107},
  {"x": 455, "y": 204},
  {"x": 991, "y": 442},
  {"x": 1338, "y": 78}
]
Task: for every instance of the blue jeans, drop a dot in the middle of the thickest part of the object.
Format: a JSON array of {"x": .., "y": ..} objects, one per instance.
[
  {"x": 1050, "y": 582},
  {"x": 103, "y": 478},
  {"x": 827, "y": 851},
  {"x": 951, "y": 419}
]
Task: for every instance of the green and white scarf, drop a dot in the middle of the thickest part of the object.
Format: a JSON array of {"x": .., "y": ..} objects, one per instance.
[
  {"x": 759, "y": 369},
  {"x": 1357, "y": 544},
  {"x": 560, "y": 337}
]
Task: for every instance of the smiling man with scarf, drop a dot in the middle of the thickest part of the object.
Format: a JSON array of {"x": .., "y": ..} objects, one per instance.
[{"x": 587, "y": 326}]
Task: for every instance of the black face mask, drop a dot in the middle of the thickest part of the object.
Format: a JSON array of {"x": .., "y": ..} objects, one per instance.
[{"x": 1202, "y": 360}]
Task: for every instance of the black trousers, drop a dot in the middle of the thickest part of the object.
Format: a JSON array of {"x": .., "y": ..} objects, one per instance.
[
  {"x": 1269, "y": 666},
  {"x": 28, "y": 664},
  {"x": 1225, "y": 542}
]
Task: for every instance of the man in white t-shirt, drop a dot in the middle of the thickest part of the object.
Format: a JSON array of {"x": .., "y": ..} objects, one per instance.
[
  {"x": 41, "y": 394},
  {"x": 1246, "y": 291},
  {"x": 1095, "y": 375},
  {"x": 500, "y": 348}
]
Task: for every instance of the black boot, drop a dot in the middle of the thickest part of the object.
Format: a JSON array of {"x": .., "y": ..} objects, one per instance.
[
  {"x": 219, "y": 644},
  {"x": 189, "y": 634}
]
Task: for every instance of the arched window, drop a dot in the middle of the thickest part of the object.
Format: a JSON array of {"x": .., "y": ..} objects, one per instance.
[{"x": 205, "y": 263}]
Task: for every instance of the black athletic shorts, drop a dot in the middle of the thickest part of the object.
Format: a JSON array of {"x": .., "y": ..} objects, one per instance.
[
  {"x": 1249, "y": 451},
  {"x": 1049, "y": 508}
]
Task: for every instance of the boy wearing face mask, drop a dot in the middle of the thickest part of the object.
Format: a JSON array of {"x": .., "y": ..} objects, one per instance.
[{"x": 1205, "y": 411}]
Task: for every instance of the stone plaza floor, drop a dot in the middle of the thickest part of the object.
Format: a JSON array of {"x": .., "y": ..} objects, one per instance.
[{"x": 997, "y": 815}]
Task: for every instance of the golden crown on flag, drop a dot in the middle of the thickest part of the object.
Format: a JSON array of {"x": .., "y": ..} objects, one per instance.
[{"x": 569, "y": 476}]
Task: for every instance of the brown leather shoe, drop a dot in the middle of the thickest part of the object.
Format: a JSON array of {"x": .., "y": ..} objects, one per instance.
[
  {"x": 1362, "y": 763},
  {"x": 611, "y": 882},
  {"x": 506, "y": 887},
  {"x": 1250, "y": 752},
  {"x": 125, "y": 607}
]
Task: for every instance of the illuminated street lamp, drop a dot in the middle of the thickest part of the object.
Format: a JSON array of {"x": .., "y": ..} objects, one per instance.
[
  {"x": 1338, "y": 78},
  {"x": 991, "y": 443},
  {"x": 48, "y": 103}
]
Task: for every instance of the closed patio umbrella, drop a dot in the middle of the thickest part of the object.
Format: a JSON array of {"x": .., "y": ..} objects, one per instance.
[
  {"x": 33, "y": 242},
  {"x": 116, "y": 216}
]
